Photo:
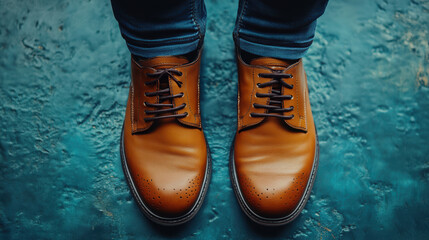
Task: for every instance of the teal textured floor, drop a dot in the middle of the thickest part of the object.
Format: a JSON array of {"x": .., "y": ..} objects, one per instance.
[{"x": 64, "y": 76}]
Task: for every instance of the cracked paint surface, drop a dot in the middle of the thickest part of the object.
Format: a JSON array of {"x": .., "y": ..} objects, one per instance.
[{"x": 64, "y": 76}]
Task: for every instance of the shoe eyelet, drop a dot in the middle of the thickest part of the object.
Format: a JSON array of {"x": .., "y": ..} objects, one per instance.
[
  {"x": 183, "y": 94},
  {"x": 144, "y": 104},
  {"x": 258, "y": 85}
]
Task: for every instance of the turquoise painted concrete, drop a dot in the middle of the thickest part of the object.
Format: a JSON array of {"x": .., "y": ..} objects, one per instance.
[{"x": 64, "y": 76}]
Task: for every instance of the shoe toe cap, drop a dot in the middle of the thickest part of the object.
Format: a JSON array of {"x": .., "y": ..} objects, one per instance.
[
  {"x": 169, "y": 199},
  {"x": 277, "y": 198}
]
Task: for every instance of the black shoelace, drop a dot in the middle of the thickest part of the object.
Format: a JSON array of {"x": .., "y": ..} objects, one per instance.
[
  {"x": 162, "y": 76},
  {"x": 275, "y": 104}
]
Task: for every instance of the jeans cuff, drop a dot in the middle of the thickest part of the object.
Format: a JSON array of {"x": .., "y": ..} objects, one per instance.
[
  {"x": 164, "y": 50},
  {"x": 272, "y": 51}
]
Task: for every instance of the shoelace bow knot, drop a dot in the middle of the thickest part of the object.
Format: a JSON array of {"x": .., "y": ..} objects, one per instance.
[
  {"x": 164, "y": 94},
  {"x": 275, "y": 104}
]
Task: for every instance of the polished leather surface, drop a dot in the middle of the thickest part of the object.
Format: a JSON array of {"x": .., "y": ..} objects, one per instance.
[
  {"x": 167, "y": 158},
  {"x": 273, "y": 157}
]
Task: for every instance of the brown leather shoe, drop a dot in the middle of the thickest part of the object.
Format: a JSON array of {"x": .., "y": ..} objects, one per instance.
[
  {"x": 164, "y": 153},
  {"x": 275, "y": 153}
]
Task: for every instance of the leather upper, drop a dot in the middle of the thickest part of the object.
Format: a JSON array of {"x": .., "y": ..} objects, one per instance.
[
  {"x": 190, "y": 88},
  {"x": 249, "y": 77},
  {"x": 166, "y": 158},
  {"x": 273, "y": 157}
]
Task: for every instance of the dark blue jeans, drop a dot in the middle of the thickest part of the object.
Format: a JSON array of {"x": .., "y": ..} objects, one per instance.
[{"x": 271, "y": 28}]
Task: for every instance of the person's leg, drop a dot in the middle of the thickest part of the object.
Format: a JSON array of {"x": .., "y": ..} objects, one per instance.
[
  {"x": 164, "y": 154},
  {"x": 275, "y": 153},
  {"x": 277, "y": 28},
  {"x": 162, "y": 27}
]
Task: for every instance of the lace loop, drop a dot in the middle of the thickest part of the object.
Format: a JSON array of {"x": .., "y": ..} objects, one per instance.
[
  {"x": 163, "y": 72},
  {"x": 162, "y": 75},
  {"x": 275, "y": 103}
]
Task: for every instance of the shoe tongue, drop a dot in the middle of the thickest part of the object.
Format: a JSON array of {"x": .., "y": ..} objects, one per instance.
[
  {"x": 272, "y": 63},
  {"x": 164, "y": 61}
]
